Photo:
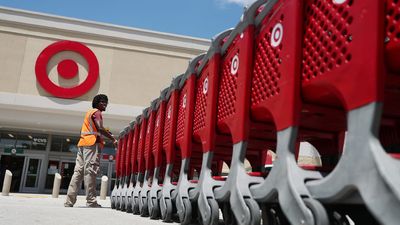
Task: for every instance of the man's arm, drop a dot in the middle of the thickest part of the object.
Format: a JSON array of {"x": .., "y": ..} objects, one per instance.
[{"x": 98, "y": 122}]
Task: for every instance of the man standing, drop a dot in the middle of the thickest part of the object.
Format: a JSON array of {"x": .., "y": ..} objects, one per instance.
[{"x": 88, "y": 158}]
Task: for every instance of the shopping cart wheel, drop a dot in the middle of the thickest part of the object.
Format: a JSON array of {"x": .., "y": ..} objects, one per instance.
[
  {"x": 135, "y": 206},
  {"x": 317, "y": 210},
  {"x": 339, "y": 219},
  {"x": 122, "y": 205},
  {"x": 129, "y": 205},
  {"x": 145, "y": 210},
  {"x": 214, "y": 215},
  {"x": 227, "y": 214},
  {"x": 254, "y": 209},
  {"x": 273, "y": 216},
  {"x": 185, "y": 215},
  {"x": 112, "y": 202},
  {"x": 166, "y": 209},
  {"x": 117, "y": 204},
  {"x": 153, "y": 210},
  {"x": 143, "y": 205},
  {"x": 214, "y": 211}
]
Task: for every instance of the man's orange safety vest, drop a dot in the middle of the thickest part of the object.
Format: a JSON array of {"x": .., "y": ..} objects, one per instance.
[{"x": 89, "y": 131}]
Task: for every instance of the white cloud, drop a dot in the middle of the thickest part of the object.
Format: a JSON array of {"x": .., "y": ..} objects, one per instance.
[{"x": 239, "y": 2}]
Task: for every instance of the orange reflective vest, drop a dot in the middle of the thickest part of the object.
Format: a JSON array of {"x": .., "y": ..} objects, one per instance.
[{"x": 89, "y": 132}]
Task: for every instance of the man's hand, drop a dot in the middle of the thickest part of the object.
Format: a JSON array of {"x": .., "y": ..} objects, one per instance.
[{"x": 115, "y": 142}]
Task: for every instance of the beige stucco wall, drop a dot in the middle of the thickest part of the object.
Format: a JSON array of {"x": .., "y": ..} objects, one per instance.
[
  {"x": 12, "y": 52},
  {"x": 138, "y": 77},
  {"x": 127, "y": 76}
]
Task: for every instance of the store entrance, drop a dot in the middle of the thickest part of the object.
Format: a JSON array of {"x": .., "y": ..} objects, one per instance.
[
  {"x": 15, "y": 164},
  {"x": 66, "y": 172},
  {"x": 31, "y": 174},
  {"x": 65, "y": 168}
]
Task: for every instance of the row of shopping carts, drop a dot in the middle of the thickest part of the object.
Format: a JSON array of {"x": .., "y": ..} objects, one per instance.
[{"x": 326, "y": 72}]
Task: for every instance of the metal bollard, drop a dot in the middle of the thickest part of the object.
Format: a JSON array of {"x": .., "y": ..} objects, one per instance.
[
  {"x": 7, "y": 183},
  {"x": 56, "y": 185},
  {"x": 103, "y": 188}
]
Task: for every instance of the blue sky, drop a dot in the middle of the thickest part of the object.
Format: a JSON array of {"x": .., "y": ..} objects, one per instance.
[{"x": 197, "y": 18}]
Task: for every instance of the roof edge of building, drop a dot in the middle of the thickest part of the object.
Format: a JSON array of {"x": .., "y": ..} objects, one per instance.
[{"x": 105, "y": 30}]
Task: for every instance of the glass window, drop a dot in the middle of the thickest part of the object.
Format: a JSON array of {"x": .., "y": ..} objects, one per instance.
[
  {"x": 66, "y": 171},
  {"x": 52, "y": 169},
  {"x": 64, "y": 144},
  {"x": 33, "y": 172},
  {"x": 56, "y": 144},
  {"x": 7, "y": 140},
  {"x": 31, "y": 181},
  {"x": 69, "y": 144},
  {"x": 108, "y": 151},
  {"x": 22, "y": 141},
  {"x": 39, "y": 141}
]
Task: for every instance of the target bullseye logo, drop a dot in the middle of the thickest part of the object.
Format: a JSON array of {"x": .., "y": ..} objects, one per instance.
[
  {"x": 205, "y": 86},
  {"x": 169, "y": 112},
  {"x": 277, "y": 34},
  {"x": 235, "y": 65},
  {"x": 67, "y": 69},
  {"x": 184, "y": 101}
]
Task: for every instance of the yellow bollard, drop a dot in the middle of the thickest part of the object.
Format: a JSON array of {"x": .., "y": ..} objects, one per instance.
[
  {"x": 56, "y": 185},
  {"x": 6, "y": 183},
  {"x": 104, "y": 187}
]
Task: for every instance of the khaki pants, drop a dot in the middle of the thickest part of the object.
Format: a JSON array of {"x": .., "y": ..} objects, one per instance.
[{"x": 86, "y": 168}]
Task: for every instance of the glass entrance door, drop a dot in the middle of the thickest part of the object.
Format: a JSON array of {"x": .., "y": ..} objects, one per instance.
[
  {"x": 32, "y": 171},
  {"x": 15, "y": 164},
  {"x": 66, "y": 172}
]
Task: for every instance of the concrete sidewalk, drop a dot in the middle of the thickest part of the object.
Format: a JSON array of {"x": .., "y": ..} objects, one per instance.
[{"x": 38, "y": 209}]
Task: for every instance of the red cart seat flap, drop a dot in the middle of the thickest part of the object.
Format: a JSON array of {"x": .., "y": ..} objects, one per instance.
[
  {"x": 183, "y": 100},
  {"x": 334, "y": 42},
  {"x": 141, "y": 147},
  {"x": 395, "y": 155},
  {"x": 257, "y": 174},
  {"x": 276, "y": 66},
  {"x": 220, "y": 178},
  {"x": 206, "y": 94},
  {"x": 200, "y": 102},
  {"x": 135, "y": 142},
  {"x": 317, "y": 168},
  {"x": 149, "y": 140},
  {"x": 392, "y": 39},
  {"x": 128, "y": 155},
  {"x": 158, "y": 134},
  {"x": 122, "y": 165}
]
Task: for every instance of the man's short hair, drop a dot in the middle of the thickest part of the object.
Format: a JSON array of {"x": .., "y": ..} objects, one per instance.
[{"x": 98, "y": 98}]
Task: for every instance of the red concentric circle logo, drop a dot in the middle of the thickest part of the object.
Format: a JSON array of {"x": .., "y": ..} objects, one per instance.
[
  {"x": 235, "y": 64},
  {"x": 67, "y": 69},
  {"x": 277, "y": 34}
]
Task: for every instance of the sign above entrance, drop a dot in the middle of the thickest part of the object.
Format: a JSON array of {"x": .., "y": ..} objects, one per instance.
[
  {"x": 67, "y": 69},
  {"x": 13, "y": 151}
]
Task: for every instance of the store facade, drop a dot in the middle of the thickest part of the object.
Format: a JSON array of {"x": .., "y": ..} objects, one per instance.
[{"x": 50, "y": 69}]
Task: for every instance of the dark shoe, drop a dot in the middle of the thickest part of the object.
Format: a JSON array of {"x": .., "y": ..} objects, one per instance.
[
  {"x": 93, "y": 205},
  {"x": 68, "y": 205}
]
